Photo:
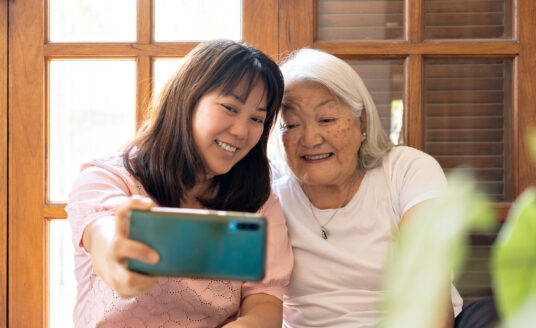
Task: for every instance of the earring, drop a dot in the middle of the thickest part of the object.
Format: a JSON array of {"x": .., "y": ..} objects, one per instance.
[{"x": 364, "y": 133}]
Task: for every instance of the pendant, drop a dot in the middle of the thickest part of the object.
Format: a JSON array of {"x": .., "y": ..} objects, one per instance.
[{"x": 324, "y": 234}]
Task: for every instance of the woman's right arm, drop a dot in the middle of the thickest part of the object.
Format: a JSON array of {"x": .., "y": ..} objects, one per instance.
[
  {"x": 106, "y": 240},
  {"x": 98, "y": 209}
]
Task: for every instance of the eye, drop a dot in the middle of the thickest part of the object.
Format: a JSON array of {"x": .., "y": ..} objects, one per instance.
[
  {"x": 229, "y": 108},
  {"x": 258, "y": 120},
  {"x": 327, "y": 120},
  {"x": 288, "y": 126}
]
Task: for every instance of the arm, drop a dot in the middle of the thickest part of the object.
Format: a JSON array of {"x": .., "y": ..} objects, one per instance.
[
  {"x": 106, "y": 240},
  {"x": 259, "y": 310},
  {"x": 446, "y": 318}
]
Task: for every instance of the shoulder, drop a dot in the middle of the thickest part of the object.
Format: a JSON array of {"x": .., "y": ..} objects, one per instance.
[
  {"x": 271, "y": 209},
  {"x": 109, "y": 169},
  {"x": 402, "y": 158},
  {"x": 404, "y": 153}
]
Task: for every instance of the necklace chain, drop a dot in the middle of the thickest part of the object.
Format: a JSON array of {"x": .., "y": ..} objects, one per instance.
[{"x": 323, "y": 231}]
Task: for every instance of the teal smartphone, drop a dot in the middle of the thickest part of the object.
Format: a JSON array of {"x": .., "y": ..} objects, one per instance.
[{"x": 201, "y": 243}]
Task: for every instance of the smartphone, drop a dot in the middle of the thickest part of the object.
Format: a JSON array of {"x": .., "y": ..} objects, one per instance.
[{"x": 201, "y": 243}]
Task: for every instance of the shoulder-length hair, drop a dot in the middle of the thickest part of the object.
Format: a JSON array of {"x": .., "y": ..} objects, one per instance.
[
  {"x": 343, "y": 82},
  {"x": 163, "y": 156}
]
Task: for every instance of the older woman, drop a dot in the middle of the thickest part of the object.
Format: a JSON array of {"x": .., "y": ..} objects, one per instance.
[{"x": 346, "y": 193}]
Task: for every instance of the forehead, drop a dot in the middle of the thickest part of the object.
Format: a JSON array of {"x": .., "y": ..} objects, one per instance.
[
  {"x": 246, "y": 88},
  {"x": 306, "y": 90}
]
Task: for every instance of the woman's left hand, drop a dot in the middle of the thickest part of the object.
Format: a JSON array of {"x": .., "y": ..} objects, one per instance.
[{"x": 259, "y": 310}]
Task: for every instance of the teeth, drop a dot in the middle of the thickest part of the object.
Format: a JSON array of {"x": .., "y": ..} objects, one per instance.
[
  {"x": 226, "y": 147},
  {"x": 322, "y": 156}
]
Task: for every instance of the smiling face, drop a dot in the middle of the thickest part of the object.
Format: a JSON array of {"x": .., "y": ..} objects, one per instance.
[
  {"x": 321, "y": 135},
  {"x": 227, "y": 126}
]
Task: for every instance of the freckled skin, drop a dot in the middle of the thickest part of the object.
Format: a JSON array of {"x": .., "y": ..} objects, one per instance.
[{"x": 316, "y": 122}]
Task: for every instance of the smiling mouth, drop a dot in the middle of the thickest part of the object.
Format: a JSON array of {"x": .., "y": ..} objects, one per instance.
[
  {"x": 316, "y": 157},
  {"x": 226, "y": 146}
]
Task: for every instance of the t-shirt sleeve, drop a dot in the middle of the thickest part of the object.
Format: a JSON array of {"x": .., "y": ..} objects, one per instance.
[
  {"x": 418, "y": 177},
  {"x": 279, "y": 259},
  {"x": 96, "y": 193}
]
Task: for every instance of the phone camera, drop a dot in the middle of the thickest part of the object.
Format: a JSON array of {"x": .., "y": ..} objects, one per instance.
[{"x": 247, "y": 226}]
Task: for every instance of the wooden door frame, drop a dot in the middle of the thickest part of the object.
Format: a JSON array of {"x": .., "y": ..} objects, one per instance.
[
  {"x": 25, "y": 141},
  {"x": 26, "y": 158},
  {"x": 3, "y": 160},
  {"x": 298, "y": 15}
]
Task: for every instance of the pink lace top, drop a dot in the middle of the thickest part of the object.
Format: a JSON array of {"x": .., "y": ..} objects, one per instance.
[{"x": 173, "y": 302}]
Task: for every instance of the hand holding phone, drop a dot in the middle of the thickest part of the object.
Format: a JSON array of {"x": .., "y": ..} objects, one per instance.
[
  {"x": 201, "y": 243},
  {"x": 107, "y": 242}
]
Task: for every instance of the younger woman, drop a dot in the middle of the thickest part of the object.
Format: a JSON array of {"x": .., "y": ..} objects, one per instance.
[{"x": 204, "y": 147}]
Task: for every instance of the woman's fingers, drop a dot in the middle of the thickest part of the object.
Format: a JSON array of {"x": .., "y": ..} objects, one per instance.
[
  {"x": 123, "y": 248},
  {"x": 128, "y": 283},
  {"x": 123, "y": 211}
]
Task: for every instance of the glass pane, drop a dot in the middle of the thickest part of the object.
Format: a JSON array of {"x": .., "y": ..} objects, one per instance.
[
  {"x": 185, "y": 20},
  {"x": 92, "y": 21},
  {"x": 360, "y": 20},
  {"x": 92, "y": 114},
  {"x": 62, "y": 283},
  {"x": 385, "y": 81},
  {"x": 163, "y": 69},
  {"x": 468, "y": 106},
  {"x": 468, "y": 19}
]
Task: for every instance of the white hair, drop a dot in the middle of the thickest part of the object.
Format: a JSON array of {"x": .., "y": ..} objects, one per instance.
[{"x": 344, "y": 82}]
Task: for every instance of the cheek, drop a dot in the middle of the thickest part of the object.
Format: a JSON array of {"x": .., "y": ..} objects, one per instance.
[
  {"x": 255, "y": 136},
  {"x": 289, "y": 142},
  {"x": 342, "y": 131}
]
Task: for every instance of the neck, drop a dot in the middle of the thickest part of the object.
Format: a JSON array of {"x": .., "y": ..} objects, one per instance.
[
  {"x": 333, "y": 196},
  {"x": 189, "y": 199}
]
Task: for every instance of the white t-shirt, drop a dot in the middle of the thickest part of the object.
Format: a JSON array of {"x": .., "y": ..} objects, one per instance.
[{"x": 336, "y": 282}]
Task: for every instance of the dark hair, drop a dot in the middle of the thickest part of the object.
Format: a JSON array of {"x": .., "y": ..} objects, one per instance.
[{"x": 163, "y": 156}]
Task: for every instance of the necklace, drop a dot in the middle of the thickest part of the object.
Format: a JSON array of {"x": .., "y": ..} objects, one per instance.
[{"x": 323, "y": 231}]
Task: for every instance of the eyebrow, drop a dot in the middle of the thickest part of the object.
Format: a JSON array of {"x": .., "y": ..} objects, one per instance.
[
  {"x": 325, "y": 102},
  {"x": 290, "y": 107},
  {"x": 243, "y": 101}
]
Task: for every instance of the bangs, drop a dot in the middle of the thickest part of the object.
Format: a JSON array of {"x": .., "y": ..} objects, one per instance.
[{"x": 247, "y": 69}]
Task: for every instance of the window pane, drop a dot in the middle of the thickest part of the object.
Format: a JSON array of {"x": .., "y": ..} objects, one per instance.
[
  {"x": 385, "y": 81},
  {"x": 163, "y": 69},
  {"x": 360, "y": 20},
  {"x": 92, "y": 21},
  {"x": 62, "y": 283},
  {"x": 468, "y": 107},
  {"x": 185, "y": 20},
  {"x": 92, "y": 114},
  {"x": 468, "y": 19}
]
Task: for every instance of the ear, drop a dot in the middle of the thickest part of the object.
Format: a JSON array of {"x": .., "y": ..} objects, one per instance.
[{"x": 363, "y": 123}]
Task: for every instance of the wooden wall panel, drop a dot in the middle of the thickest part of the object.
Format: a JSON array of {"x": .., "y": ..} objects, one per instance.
[
  {"x": 526, "y": 97},
  {"x": 259, "y": 26},
  {"x": 3, "y": 162},
  {"x": 296, "y": 15},
  {"x": 26, "y": 268}
]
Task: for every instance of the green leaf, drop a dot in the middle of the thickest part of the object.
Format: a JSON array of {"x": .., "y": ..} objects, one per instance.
[{"x": 514, "y": 256}]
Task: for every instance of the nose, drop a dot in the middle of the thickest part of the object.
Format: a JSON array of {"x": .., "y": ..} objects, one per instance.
[
  {"x": 239, "y": 129},
  {"x": 311, "y": 136}
]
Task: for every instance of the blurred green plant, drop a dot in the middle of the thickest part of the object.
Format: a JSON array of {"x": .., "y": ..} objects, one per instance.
[
  {"x": 514, "y": 256},
  {"x": 514, "y": 260},
  {"x": 430, "y": 246}
]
